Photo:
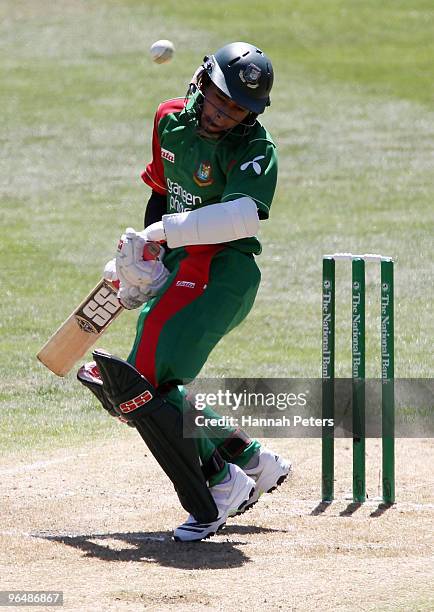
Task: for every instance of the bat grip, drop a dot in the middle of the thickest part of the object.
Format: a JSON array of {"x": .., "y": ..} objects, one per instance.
[{"x": 151, "y": 250}]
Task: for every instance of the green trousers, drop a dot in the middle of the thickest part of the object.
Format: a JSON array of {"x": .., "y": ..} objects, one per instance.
[{"x": 210, "y": 290}]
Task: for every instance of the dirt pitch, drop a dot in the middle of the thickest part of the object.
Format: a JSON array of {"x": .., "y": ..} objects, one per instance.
[{"x": 95, "y": 522}]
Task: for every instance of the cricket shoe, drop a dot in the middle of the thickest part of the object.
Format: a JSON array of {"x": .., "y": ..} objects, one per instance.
[
  {"x": 269, "y": 473},
  {"x": 229, "y": 496}
]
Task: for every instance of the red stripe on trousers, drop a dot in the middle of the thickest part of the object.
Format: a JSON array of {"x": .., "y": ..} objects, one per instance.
[{"x": 193, "y": 269}]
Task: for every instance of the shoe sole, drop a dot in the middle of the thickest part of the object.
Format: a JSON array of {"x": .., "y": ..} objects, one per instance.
[
  {"x": 280, "y": 480},
  {"x": 206, "y": 537},
  {"x": 220, "y": 527}
]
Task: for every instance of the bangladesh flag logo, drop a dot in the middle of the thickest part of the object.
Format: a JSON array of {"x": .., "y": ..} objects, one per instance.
[{"x": 203, "y": 175}]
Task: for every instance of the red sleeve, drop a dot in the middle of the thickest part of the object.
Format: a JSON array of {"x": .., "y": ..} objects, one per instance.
[{"x": 153, "y": 175}]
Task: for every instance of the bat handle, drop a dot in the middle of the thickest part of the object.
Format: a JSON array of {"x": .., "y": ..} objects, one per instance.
[
  {"x": 151, "y": 250},
  {"x": 114, "y": 284}
]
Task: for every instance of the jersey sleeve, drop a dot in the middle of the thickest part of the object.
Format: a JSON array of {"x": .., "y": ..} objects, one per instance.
[
  {"x": 254, "y": 174},
  {"x": 153, "y": 175}
]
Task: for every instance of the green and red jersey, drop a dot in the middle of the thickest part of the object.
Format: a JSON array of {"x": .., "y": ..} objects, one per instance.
[{"x": 194, "y": 171}]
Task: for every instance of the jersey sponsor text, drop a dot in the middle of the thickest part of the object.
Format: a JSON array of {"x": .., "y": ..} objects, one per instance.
[
  {"x": 180, "y": 199},
  {"x": 165, "y": 154}
]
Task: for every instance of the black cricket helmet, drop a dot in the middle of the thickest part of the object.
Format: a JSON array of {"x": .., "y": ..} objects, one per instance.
[{"x": 244, "y": 73}]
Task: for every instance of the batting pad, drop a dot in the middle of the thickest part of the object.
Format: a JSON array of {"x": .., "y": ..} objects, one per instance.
[{"x": 160, "y": 424}]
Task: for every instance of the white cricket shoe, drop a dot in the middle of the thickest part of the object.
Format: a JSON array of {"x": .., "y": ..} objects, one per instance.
[
  {"x": 270, "y": 472},
  {"x": 229, "y": 496}
]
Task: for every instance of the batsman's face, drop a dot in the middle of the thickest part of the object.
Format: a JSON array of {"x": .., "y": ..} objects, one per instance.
[{"x": 219, "y": 112}]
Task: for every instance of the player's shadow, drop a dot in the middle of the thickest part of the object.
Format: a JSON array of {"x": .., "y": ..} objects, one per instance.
[
  {"x": 159, "y": 547},
  {"x": 249, "y": 530}
]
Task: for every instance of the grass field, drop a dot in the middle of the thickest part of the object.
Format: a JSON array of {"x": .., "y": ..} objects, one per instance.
[
  {"x": 352, "y": 114},
  {"x": 353, "y": 117}
]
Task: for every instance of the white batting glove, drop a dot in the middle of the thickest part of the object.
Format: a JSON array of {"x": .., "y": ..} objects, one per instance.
[
  {"x": 132, "y": 297},
  {"x": 147, "y": 276},
  {"x": 154, "y": 232},
  {"x": 109, "y": 272}
]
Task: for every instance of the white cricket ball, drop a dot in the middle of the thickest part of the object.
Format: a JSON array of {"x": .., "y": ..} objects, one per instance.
[{"x": 162, "y": 51}]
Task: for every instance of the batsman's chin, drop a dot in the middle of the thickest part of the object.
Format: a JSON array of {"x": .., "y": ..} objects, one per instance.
[{"x": 209, "y": 129}]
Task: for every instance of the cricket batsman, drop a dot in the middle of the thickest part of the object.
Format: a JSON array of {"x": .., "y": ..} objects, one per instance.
[{"x": 213, "y": 175}]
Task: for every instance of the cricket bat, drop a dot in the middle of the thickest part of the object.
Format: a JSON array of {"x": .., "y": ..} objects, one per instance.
[
  {"x": 86, "y": 324},
  {"x": 81, "y": 329}
]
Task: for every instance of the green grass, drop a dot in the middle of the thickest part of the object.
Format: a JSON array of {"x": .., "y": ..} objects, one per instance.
[{"x": 352, "y": 113}]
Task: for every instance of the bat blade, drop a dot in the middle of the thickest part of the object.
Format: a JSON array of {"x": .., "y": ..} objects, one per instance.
[{"x": 81, "y": 329}]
